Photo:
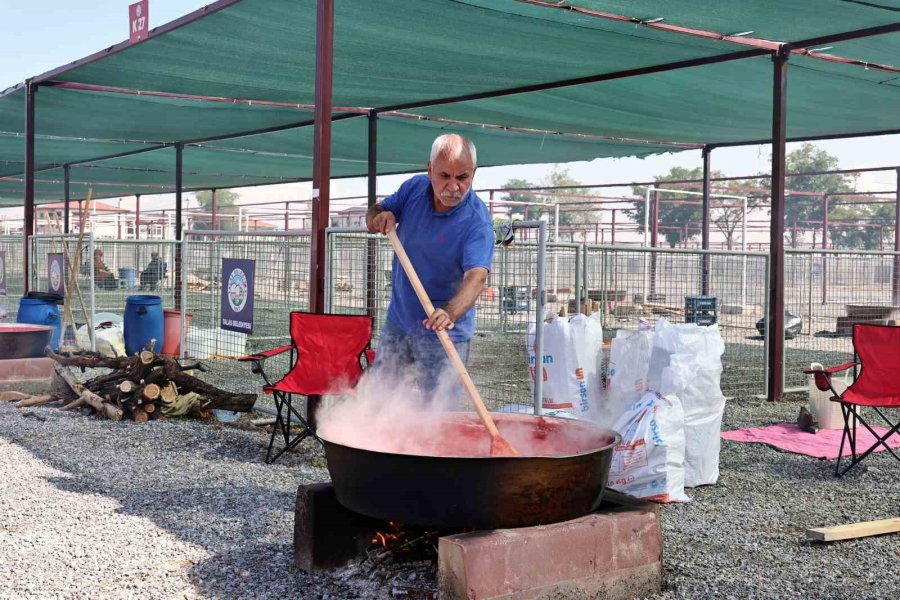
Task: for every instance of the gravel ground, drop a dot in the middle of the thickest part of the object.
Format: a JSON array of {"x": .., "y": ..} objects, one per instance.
[{"x": 186, "y": 509}]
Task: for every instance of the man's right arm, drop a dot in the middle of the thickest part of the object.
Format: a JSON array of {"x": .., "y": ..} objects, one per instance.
[{"x": 379, "y": 220}]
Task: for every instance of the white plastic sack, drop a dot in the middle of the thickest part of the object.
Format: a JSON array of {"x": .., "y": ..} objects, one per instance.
[
  {"x": 649, "y": 462},
  {"x": 110, "y": 341},
  {"x": 693, "y": 355},
  {"x": 626, "y": 382},
  {"x": 570, "y": 366}
]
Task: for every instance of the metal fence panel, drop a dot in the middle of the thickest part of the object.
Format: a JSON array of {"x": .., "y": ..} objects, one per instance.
[
  {"x": 129, "y": 272},
  {"x": 628, "y": 284},
  {"x": 13, "y": 274},
  {"x": 81, "y": 298},
  {"x": 829, "y": 290},
  {"x": 281, "y": 286},
  {"x": 498, "y": 360}
]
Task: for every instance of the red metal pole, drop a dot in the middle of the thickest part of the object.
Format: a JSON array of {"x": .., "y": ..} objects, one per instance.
[
  {"x": 825, "y": 210},
  {"x": 612, "y": 237},
  {"x": 775, "y": 328},
  {"x": 704, "y": 227},
  {"x": 896, "y": 279},
  {"x": 215, "y": 207},
  {"x": 321, "y": 151},
  {"x": 28, "y": 224},
  {"x": 137, "y": 217},
  {"x": 287, "y": 209}
]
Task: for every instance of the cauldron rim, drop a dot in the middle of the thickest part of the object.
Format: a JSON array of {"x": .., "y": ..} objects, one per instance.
[{"x": 616, "y": 440}]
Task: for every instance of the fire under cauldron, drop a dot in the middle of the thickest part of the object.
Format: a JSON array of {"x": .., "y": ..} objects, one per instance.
[{"x": 452, "y": 480}]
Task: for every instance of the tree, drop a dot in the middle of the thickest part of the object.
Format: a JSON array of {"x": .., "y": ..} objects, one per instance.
[
  {"x": 570, "y": 213},
  {"x": 800, "y": 210},
  {"x": 684, "y": 215},
  {"x": 860, "y": 227},
  {"x": 518, "y": 196},
  {"x": 225, "y": 205}
]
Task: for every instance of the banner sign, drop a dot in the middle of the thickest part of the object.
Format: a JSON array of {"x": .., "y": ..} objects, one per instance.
[
  {"x": 55, "y": 274},
  {"x": 138, "y": 21},
  {"x": 237, "y": 294},
  {"x": 2, "y": 272}
]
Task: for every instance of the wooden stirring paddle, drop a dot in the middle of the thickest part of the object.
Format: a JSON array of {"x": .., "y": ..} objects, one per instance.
[{"x": 499, "y": 445}]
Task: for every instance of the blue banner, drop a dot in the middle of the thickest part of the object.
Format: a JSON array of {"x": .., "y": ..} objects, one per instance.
[
  {"x": 56, "y": 274},
  {"x": 237, "y": 294}
]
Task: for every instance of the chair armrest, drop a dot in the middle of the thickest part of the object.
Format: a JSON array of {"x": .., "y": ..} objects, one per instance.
[
  {"x": 265, "y": 354},
  {"x": 822, "y": 377},
  {"x": 831, "y": 370}
]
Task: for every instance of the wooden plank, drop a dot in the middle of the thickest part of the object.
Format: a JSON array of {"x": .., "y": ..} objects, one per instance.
[{"x": 854, "y": 530}]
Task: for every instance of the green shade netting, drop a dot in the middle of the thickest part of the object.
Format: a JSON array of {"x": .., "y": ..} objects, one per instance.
[
  {"x": 394, "y": 52},
  {"x": 287, "y": 156},
  {"x": 722, "y": 103},
  {"x": 385, "y": 52}
]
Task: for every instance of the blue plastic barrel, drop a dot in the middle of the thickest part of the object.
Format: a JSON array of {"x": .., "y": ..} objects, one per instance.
[
  {"x": 128, "y": 275},
  {"x": 39, "y": 311},
  {"x": 143, "y": 322}
]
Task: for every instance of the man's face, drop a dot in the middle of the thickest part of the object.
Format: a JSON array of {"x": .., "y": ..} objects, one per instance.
[{"x": 450, "y": 180}]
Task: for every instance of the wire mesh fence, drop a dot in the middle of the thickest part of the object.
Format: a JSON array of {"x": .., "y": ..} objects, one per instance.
[
  {"x": 124, "y": 268},
  {"x": 629, "y": 284},
  {"x": 826, "y": 292},
  {"x": 498, "y": 360},
  {"x": 13, "y": 274},
  {"x": 281, "y": 262},
  {"x": 45, "y": 278}
]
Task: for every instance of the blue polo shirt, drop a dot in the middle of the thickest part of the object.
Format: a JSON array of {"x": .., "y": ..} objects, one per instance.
[{"x": 441, "y": 247}]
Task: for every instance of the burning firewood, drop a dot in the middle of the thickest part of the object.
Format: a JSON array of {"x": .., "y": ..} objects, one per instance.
[{"x": 143, "y": 385}]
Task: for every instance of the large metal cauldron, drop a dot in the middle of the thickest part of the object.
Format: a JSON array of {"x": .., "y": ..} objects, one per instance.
[{"x": 480, "y": 491}]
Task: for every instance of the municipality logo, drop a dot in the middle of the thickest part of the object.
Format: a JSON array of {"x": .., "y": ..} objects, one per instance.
[
  {"x": 55, "y": 275},
  {"x": 237, "y": 290}
]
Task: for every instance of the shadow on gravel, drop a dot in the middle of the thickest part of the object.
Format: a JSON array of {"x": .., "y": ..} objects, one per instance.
[{"x": 204, "y": 483}]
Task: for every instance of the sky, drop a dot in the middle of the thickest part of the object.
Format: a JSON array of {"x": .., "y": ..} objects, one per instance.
[{"x": 39, "y": 35}]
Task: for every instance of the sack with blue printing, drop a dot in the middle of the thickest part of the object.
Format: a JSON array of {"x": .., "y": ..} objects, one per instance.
[
  {"x": 570, "y": 366},
  {"x": 649, "y": 462}
]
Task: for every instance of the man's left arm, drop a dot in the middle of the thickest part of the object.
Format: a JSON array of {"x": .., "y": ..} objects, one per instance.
[{"x": 464, "y": 299}]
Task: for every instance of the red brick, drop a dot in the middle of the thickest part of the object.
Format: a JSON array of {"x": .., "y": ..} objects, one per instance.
[{"x": 616, "y": 553}]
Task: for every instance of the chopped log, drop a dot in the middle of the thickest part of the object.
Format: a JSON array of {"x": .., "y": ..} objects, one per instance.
[
  {"x": 10, "y": 396},
  {"x": 127, "y": 386},
  {"x": 151, "y": 391},
  {"x": 217, "y": 398},
  {"x": 140, "y": 415},
  {"x": 149, "y": 407},
  {"x": 77, "y": 402},
  {"x": 147, "y": 357},
  {"x": 36, "y": 400},
  {"x": 169, "y": 393},
  {"x": 61, "y": 389},
  {"x": 111, "y": 411},
  {"x": 91, "y": 359}
]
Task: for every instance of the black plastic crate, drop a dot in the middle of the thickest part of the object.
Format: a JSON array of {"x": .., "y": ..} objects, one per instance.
[{"x": 694, "y": 304}]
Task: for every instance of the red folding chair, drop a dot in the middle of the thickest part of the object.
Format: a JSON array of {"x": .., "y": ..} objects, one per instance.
[
  {"x": 328, "y": 353},
  {"x": 877, "y": 386}
]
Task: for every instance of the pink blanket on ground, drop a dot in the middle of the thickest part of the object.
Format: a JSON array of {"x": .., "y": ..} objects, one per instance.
[{"x": 824, "y": 444}]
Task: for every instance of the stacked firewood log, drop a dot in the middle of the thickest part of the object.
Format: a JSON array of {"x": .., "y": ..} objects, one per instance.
[{"x": 140, "y": 387}]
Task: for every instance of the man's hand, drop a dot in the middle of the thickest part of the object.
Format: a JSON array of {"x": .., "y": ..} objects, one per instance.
[
  {"x": 439, "y": 320},
  {"x": 381, "y": 222}
]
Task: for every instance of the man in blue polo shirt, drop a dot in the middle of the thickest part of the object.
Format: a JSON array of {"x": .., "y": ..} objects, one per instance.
[{"x": 447, "y": 233}]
